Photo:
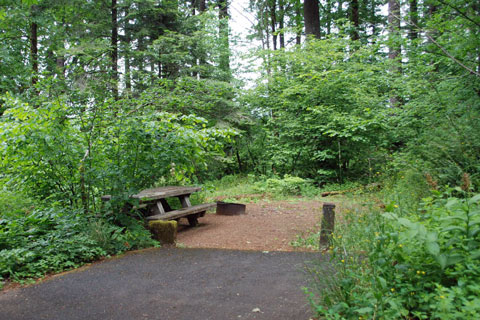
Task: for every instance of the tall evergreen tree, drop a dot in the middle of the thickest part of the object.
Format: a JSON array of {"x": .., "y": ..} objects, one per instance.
[{"x": 311, "y": 15}]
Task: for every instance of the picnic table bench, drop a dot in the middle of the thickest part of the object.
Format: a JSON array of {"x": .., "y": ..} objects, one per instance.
[{"x": 155, "y": 206}]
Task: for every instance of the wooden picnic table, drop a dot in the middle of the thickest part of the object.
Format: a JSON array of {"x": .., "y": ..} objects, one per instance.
[{"x": 155, "y": 206}]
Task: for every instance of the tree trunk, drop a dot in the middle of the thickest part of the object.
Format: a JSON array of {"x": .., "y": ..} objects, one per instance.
[
  {"x": 355, "y": 19},
  {"x": 281, "y": 22},
  {"x": 393, "y": 28},
  {"x": 273, "y": 22},
  {"x": 340, "y": 9},
  {"x": 126, "y": 53},
  {"x": 60, "y": 58},
  {"x": 114, "y": 50},
  {"x": 202, "y": 6},
  {"x": 311, "y": 15},
  {"x": 139, "y": 59},
  {"x": 476, "y": 10},
  {"x": 202, "y": 60},
  {"x": 394, "y": 47},
  {"x": 373, "y": 24},
  {"x": 194, "y": 57},
  {"x": 34, "y": 45},
  {"x": 298, "y": 22},
  {"x": 329, "y": 16},
  {"x": 413, "y": 32},
  {"x": 224, "y": 62}
]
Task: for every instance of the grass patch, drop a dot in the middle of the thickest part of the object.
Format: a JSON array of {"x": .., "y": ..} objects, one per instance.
[{"x": 252, "y": 188}]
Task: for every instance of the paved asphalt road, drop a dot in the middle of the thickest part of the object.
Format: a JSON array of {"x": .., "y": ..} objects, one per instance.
[{"x": 171, "y": 283}]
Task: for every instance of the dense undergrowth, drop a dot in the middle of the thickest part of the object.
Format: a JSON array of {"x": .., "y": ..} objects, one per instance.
[
  {"x": 273, "y": 187},
  {"x": 403, "y": 262},
  {"x": 38, "y": 241}
]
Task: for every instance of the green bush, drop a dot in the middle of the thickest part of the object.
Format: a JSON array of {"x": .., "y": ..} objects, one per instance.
[
  {"x": 58, "y": 152},
  {"x": 287, "y": 186},
  {"x": 421, "y": 265},
  {"x": 14, "y": 203},
  {"x": 322, "y": 110},
  {"x": 52, "y": 240}
]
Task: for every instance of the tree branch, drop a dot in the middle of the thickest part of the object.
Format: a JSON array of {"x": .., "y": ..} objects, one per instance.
[
  {"x": 460, "y": 12},
  {"x": 448, "y": 54}
]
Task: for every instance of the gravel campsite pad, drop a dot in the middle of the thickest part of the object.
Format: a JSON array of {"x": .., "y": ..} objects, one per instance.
[{"x": 266, "y": 226}]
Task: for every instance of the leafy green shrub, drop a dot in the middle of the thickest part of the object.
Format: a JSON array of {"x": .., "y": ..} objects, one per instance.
[
  {"x": 422, "y": 265},
  {"x": 323, "y": 111},
  {"x": 406, "y": 185},
  {"x": 289, "y": 185},
  {"x": 232, "y": 185},
  {"x": 14, "y": 203},
  {"x": 59, "y": 152},
  {"x": 52, "y": 240},
  {"x": 44, "y": 241}
]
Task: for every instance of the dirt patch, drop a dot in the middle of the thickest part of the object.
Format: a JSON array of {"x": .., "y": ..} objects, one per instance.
[{"x": 266, "y": 226}]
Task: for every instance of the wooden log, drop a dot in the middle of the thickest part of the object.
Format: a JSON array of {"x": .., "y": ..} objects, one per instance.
[
  {"x": 164, "y": 231},
  {"x": 370, "y": 186},
  {"x": 332, "y": 193},
  {"x": 328, "y": 223}
]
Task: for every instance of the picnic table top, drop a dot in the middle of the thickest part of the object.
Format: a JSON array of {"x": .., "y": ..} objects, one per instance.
[{"x": 165, "y": 192}]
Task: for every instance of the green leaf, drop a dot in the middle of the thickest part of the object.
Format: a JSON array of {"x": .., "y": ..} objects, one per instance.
[
  {"x": 475, "y": 254},
  {"x": 454, "y": 259},
  {"x": 433, "y": 248},
  {"x": 390, "y": 215},
  {"x": 453, "y": 228},
  {"x": 405, "y": 222},
  {"x": 474, "y": 199},
  {"x": 451, "y": 203},
  {"x": 364, "y": 310},
  {"x": 473, "y": 232},
  {"x": 442, "y": 260},
  {"x": 460, "y": 218},
  {"x": 432, "y": 236},
  {"x": 382, "y": 282},
  {"x": 30, "y": 2}
]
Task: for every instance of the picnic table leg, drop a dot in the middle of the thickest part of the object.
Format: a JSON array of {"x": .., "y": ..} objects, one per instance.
[
  {"x": 185, "y": 201},
  {"x": 165, "y": 205},
  {"x": 157, "y": 208},
  {"x": 193, "y": 219}
]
